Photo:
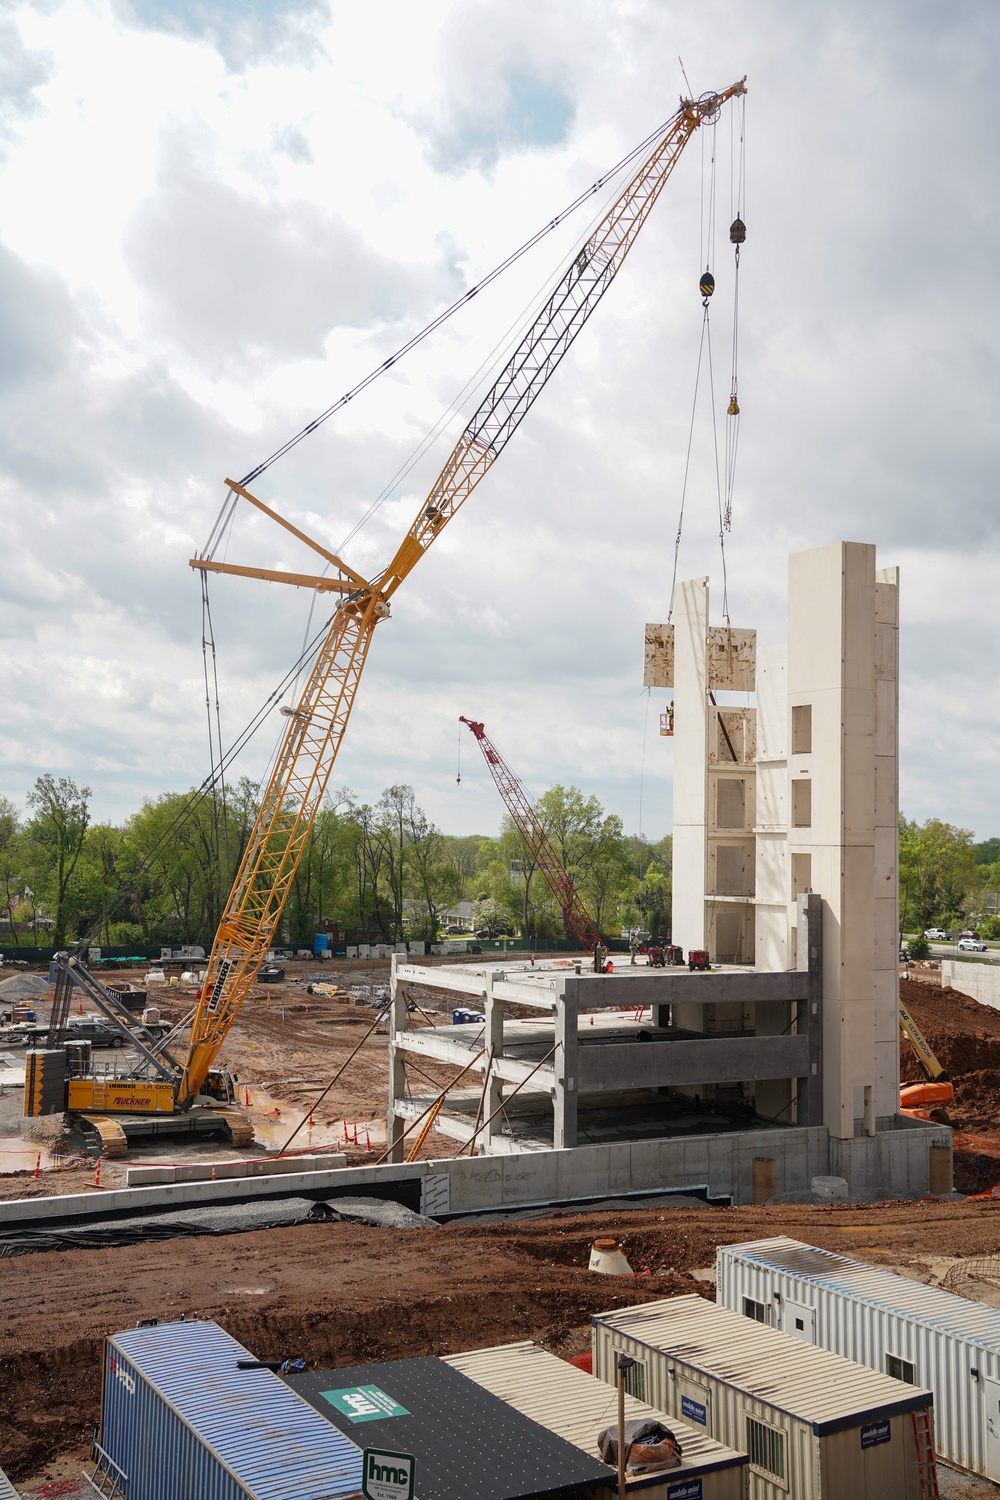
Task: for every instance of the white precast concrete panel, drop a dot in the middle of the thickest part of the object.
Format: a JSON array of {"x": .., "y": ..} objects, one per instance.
[
  {"x": 872, "y": 1315},
  {"x": 817, "y": 1425},
  {"x": 578, "y": 1407},
  {"x": 690, "y": 857}
]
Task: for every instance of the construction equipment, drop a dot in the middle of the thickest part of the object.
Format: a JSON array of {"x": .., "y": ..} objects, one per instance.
[
  {"x": 930, "y": 1100},
  {"x": 318, "y": 721},
  {"x": 529, "y": 825}
]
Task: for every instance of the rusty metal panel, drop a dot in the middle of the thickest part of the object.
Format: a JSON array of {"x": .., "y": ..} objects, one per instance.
[
  {"x": 658, "y": 657},
  {"x": 732, "y": 658}
]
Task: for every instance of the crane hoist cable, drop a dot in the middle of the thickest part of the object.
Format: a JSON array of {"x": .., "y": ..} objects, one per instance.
[
  {"x": 737, "y": 237},
  {"x": 726, "y": 473}
]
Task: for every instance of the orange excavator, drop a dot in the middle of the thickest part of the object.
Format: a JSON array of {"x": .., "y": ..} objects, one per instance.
[{"x": 929, "y": 1100}]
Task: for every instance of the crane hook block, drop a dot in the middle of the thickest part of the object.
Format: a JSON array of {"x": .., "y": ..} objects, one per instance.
[
  {"x": 707, "y": 284},
  {"x": 733, "y": 409},
  {"x": 737, "y": 232}
]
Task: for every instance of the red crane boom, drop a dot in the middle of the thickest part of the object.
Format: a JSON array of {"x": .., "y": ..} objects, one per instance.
[{"x": 529, "y": 825}]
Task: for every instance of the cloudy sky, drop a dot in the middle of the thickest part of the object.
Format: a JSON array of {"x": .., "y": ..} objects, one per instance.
[{"x": 215, "y": 217}]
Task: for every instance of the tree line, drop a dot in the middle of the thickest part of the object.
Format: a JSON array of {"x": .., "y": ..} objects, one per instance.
[
  {"x": 383, "y": 871},
  {"x": 377, "y": 871}
]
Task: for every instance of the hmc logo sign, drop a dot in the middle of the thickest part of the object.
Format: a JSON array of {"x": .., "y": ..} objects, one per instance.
[{"x": 387, "y": 1476}]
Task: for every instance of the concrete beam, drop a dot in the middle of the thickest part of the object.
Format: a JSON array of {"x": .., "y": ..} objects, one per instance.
[
  {"x": 717, "y": 1059},
  {"x": 541, "y": 993},
  {"x": 661, "y": 987}
]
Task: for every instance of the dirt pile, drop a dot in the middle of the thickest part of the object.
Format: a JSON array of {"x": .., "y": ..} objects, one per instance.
[{"x": 966, "y": 1039}]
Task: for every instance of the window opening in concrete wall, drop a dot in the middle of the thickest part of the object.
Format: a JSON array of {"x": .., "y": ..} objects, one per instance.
[
  {"x": 802, "y": 804},
  {"x": 900, "y": 1369},
  {"x": 728, "y": 937},
  {"x": 734, "y": 873},
  {"x": 755, "y": 1310},
  {"x": 730, "y": 803},
  {"x": 730, "y": 738},
  {"x": 802, "y": 728},
  {"x": 635, "y": 1381},
  {"x": 766, "y": 1447},
  {"x": 801, "y": 874}
]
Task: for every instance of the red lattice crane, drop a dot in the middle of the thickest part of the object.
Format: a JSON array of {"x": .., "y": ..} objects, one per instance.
[{"x": 532, "y": 830}]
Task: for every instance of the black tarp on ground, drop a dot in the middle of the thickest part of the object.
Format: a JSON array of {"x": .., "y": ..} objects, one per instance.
[{"x": 226, "y": 1218}]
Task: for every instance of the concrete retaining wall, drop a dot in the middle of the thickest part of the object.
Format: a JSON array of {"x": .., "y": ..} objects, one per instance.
[
  {"x": 891, "y": 1163},
  {"x": 981, "y": 981}
]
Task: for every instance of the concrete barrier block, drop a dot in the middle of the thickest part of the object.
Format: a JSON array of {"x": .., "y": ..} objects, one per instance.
[
  {"x": 644, "y": 1165},
  {"x": 620, "y": 1167},
  {"x": 142, "y": 1176},
  {"x": 581, "y": 1172},
  {"x": 529, "y": 1177},
  {"x": 476, "y": 1182}
]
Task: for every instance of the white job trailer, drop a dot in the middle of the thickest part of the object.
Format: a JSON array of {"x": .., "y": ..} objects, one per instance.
[
  {"x": 816, "y": 1426},
  {"x": 575, "y": 1406},
  {"x": 915, "y": 1332}
]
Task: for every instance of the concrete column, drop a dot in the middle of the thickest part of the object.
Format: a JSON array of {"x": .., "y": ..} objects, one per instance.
[
  {"x": 395, "y": 1124},
  {"x": 564, "y": 1062},
  {"x": 831, "y": 770},
  {"x": 493, "y": 1041},
  {"x": 809, "y": 1089},
  {"x": 886, "y": 978}
]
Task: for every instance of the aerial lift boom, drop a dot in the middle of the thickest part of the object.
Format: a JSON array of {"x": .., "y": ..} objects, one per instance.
[
  {"x": 930, "y": 1100},
  {"x": 317, "y": 724}
]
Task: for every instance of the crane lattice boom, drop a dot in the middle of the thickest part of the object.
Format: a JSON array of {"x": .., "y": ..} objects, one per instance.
[
  {"x": 317, "y": 724},
  {"x": 529, "y": 825}
]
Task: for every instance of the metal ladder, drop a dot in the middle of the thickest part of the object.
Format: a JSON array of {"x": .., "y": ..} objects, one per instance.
[
  {"x": 926, "y": 1462},
  {"x": 107, "y": 1479}
]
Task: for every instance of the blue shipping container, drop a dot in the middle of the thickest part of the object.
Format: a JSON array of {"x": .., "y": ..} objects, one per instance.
[{"x": 185, "y": 1424}]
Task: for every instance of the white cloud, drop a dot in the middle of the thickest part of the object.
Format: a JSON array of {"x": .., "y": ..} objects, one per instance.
[{"x": 217, "y": 217}]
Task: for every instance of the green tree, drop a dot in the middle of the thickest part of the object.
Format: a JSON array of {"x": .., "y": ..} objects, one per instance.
[
  {"x": 57, "y": 831},
  {"x": 937, "y": 872}
]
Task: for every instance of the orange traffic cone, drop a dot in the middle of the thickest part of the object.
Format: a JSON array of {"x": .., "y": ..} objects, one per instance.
[
  {"x": 368, "y": 1141},
  {"x": 246, "y": 1098},
  {"x": 38, "y": 1165},
  {"x": 310, "y": 1119},
  {"x": 355, "y": 1135},
  {"x": 346, "y": 1136},
  {"x": 213, "y": 1173},
  {"x": 97, "y": 1174}
]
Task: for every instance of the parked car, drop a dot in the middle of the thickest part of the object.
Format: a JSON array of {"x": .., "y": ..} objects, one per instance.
[
  {"x": 970, "y": 932},
  {"x": 971, "y": 945},
  {"x": 95, "y": 1030},
  {"x": 935, "y": 935},
  {"x": 454, "y": 930}
]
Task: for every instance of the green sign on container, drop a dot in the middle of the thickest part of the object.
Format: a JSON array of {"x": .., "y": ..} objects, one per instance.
[
  {"x": 387, "y": 1476},
  {"x": 364, "y": 1403}
]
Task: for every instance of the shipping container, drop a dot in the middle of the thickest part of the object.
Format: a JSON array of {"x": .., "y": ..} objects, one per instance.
[
  {"x": 815, "y": 1426},
  {"x": 577, "y": 1407},
  {"x": 918, "y": 1333},
  {"x": 184, "y": 1423}
]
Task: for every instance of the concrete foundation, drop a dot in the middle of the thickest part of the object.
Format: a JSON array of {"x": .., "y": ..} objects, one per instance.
[{"x": 981, "y": 981}]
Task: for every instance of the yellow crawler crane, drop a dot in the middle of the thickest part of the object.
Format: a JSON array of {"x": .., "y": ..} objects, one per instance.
[{"x": 316, "y": 725}]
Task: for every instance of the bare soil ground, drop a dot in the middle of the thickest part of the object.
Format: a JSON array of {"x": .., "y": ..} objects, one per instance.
[{"x": 339, "y": 1294}]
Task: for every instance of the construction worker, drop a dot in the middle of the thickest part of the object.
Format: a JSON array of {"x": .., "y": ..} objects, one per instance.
[{"x": 633, "y": 948}]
